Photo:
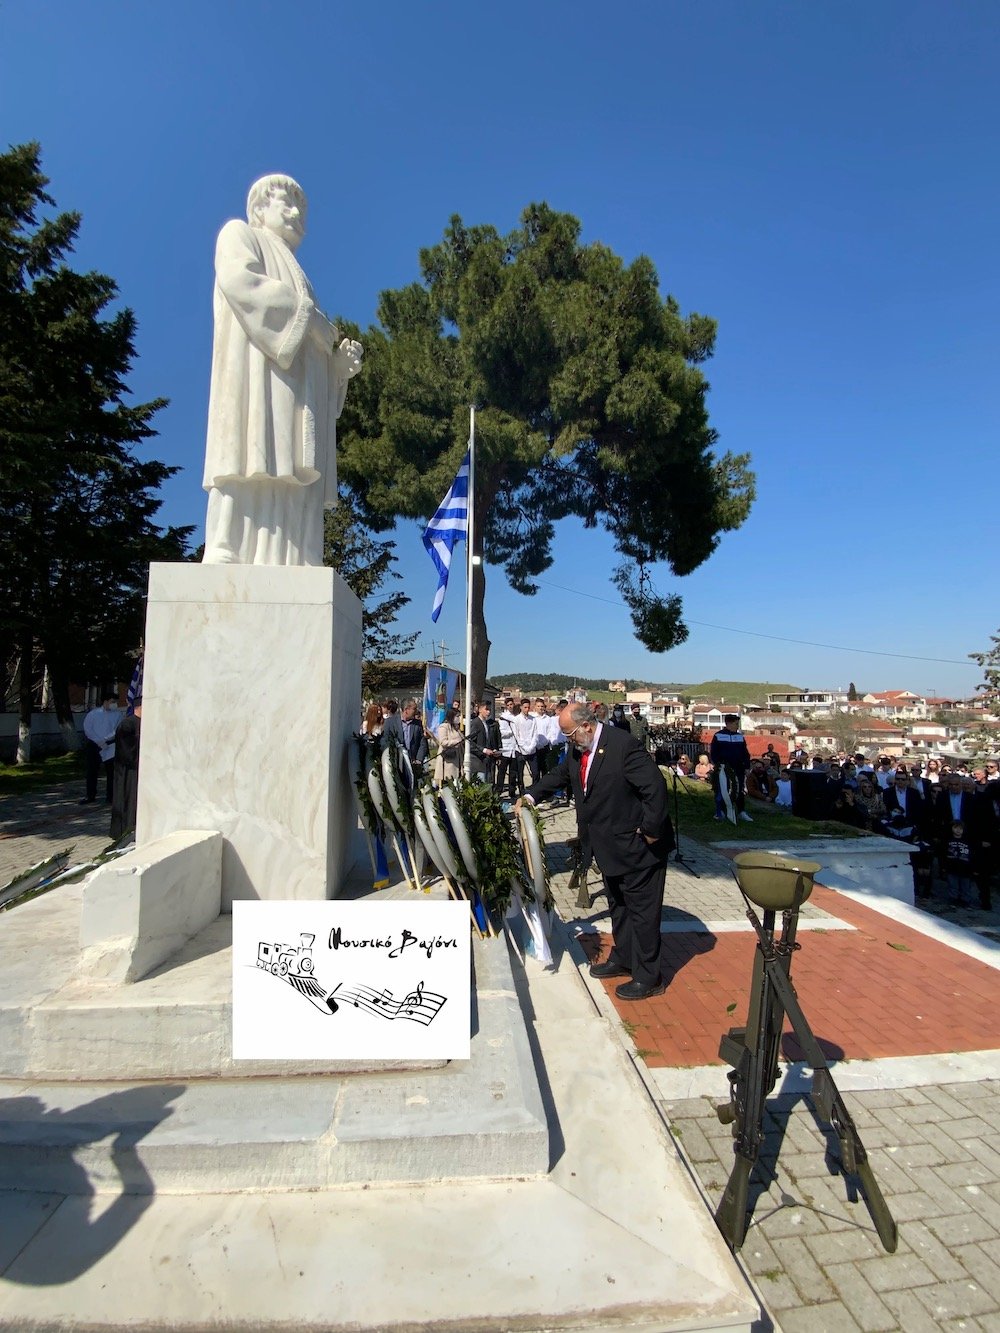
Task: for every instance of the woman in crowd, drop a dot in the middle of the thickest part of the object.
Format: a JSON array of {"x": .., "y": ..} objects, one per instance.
[
  {"x": 870, "y": 801},
  {"x": 618, "y": 718},
  {"x": 451, "y": 743},
  {"x": 703, "y": 768},
  {"x": 372, "y": 725},
  {"x": 849, "y": 810}
]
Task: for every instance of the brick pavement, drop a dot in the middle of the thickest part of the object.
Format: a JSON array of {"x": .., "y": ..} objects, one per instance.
[{"x": 871, "y": 987}]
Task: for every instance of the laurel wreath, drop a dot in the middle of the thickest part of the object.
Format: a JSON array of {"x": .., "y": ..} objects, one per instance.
[{"x": 490, "y": 831}]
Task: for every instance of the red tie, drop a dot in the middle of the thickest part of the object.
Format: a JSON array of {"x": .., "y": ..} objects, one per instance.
[{"x": 584, "y": 761}]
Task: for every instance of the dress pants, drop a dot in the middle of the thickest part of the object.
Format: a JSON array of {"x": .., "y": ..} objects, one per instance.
[
  {"x": 92, "y": 756},
  {"x": 636, "y": 905}
]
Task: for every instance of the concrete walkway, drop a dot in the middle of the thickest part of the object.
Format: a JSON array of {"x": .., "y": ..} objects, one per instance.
[{"x": 905, "y": 1002}]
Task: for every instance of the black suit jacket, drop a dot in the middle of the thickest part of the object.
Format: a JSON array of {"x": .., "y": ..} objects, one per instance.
[
  {"x": 625, "y": 794},
  {"x": 910, "y": 808},
  {"x": 970, "y": 814},
  {"x": 479, "y": 739}
]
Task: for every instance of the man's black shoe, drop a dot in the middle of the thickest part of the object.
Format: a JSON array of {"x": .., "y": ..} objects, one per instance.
[
  {"x": 609, "y": 969},
  {"x": 87, "y": 800},
  {"x": 635, "y": 990}
]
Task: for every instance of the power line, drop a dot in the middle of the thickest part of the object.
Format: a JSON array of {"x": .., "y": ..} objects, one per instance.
[{"x": 777, "y": 638}]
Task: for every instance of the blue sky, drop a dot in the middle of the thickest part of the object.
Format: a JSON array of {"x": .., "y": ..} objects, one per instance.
[{"x": 820, "y": 178}]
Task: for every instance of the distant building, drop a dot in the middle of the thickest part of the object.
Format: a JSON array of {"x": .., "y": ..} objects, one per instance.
[{"x": 807, "y": 701}]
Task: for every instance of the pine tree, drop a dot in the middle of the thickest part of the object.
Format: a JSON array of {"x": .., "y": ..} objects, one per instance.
[
  {"x": 591, "y": 404},
  {"x": 76, "y": 504}
]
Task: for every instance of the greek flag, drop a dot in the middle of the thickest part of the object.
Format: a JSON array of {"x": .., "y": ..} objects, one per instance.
[
  {"x": 449, "y": 525},
  {"x": 134, "y": 694}
]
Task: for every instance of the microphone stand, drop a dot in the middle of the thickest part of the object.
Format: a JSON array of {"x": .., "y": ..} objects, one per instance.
[{"x": 678, "y": 855}]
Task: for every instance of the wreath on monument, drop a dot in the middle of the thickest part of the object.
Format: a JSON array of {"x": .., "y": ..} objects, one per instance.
[
  {"x": 394, "y": 757},
  {"x": 548, "y": 902},
  {"x": 369, "y": 754},
  {"x": 498, "y": 855}
]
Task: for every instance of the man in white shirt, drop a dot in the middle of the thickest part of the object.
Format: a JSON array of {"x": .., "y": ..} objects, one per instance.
[
  {"x": 526, "y": 735},
  {"x": 507, "y": 764},
  {"x": 99, "y": 729}
]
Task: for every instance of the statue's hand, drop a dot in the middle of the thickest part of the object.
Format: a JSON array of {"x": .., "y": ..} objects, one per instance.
[{"x": 351, "y": 353}]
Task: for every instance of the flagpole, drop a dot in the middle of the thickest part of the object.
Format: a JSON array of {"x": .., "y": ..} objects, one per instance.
[{"x": 470, "y": 547}]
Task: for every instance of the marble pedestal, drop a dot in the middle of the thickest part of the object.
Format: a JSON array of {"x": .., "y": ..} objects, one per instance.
[{"x": 251, "y": 691}]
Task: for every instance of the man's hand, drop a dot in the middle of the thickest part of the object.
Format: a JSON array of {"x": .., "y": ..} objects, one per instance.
[
  {"x": 517, "y": 806},
  {"x": 650, "y": 840}
]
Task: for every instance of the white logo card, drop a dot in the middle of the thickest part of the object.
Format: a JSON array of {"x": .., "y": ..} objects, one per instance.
[{"x": 351, "y": 981}]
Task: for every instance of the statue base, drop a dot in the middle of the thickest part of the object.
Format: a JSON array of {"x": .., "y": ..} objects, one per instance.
[{"x": 251, "y": 692}]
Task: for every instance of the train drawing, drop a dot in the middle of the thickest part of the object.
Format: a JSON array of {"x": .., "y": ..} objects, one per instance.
[{"x": 280, "y": 959}]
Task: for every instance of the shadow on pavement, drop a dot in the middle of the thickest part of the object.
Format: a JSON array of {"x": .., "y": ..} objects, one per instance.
[{"x": 80, "y": 1233}]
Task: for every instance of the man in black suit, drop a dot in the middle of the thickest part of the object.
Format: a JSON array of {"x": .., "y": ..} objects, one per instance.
[
  {"x": 621, "y": 810},
  {"x": 482, "y": 749},
  {"x": 905, "y": 812},
  {"x": 414, "y": 736}
]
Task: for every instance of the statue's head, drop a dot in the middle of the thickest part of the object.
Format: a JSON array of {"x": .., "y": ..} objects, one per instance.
[{"x": 278, "y": 203}]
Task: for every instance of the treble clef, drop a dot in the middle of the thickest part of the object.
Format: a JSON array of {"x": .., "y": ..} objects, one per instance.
[{"x": 415, "y": 998}]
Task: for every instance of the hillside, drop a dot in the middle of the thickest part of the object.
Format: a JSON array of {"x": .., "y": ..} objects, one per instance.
[{"x": 737, "y": 692}]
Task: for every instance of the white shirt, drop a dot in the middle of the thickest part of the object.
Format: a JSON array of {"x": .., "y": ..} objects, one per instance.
[
  {"x": 784, "y": 796},
  {"x": 526, "y": 733},
  {"x": 99, "y": 726},
  {"x": 548, "y": 726},
  {"x": 508, "y": 741}
]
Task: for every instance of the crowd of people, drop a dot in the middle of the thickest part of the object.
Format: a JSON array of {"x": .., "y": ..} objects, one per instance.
[
  {"x": 948, "y": 814},
  {"x": 510, "y": 748}
]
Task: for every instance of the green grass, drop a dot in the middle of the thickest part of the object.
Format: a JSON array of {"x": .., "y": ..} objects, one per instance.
[
  {"x": 696, "y": 810},
  {"x": 16, "y": 780}
]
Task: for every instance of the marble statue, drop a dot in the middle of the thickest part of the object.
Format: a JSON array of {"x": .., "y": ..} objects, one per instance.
[{"x": 279, "y": 378}]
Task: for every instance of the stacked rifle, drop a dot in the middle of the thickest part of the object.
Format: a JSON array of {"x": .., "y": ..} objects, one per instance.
[{"x": 776, "y": 884}]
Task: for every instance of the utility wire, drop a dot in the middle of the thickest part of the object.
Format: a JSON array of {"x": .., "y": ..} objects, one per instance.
[{"x": 777, "y": 638}]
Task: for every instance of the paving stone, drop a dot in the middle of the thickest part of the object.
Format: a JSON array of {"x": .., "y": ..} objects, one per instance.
[
  {"x": 869, "y": 1312},
  {"x": 981, "y": 1267},
  {"x": 986, "y": 1153},
  {"x": 953, "y": 1108},
  {"x": 692, "y": 1138},
  {"x": 986, "y": 1206},
  {"x": 916, "y": 1156},
  {"x": 792, "y": 1220},
  {"x": 973, "y": 1127},
  {"x": 920, "y": 1206},
  {"x": 926, "y": 1245},
  {"x": 876, "y": 1099},
  {"x": 911, "y": 1314},
  {"x": 954, "y": 1300},
  {"x": 798, "y": 1264},
  {"x": 961, "y": 1229},
  {"x": 959, "y": 1175},
  {"x": 970, "y": 1092},
  {"x": 831, "y": 1318},
  {"x": 780, "y": 1293},
  {"x": 758, "y": 1253},
  {"x": 842, "y": 1247},
  {"x": 896, "y": 1272},
  {"x": 954, "y": 1151}
]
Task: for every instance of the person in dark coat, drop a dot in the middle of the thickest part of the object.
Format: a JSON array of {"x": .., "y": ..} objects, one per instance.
[
  {"x": 125, "y": 790},
  {"x": 621, "y": 809}
]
